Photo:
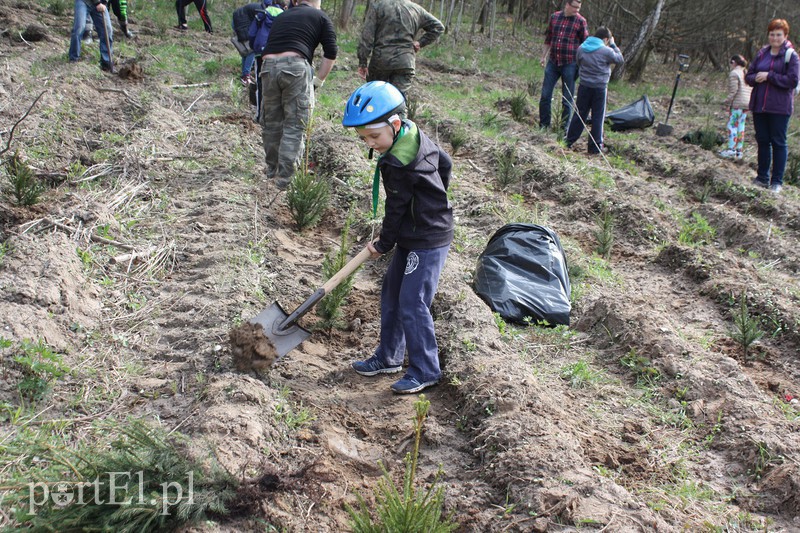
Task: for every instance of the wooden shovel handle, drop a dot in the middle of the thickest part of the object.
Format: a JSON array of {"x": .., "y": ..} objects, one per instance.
[{"x": 346, "y": 270}]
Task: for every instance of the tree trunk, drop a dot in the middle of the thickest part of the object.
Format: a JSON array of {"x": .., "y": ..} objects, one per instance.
[
  {"x": 449, "y": 20},
  {"x": 458, "y": 21},
  {"x": 492, "y": 17},
  {"x": 639, "y": 43},
  {"x": 346, "y": 14}
]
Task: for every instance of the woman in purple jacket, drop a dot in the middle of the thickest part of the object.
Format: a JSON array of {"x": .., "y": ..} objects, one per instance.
[{"x": 773, "y": 74}]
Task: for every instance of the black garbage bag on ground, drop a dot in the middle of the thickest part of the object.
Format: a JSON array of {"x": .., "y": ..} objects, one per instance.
[
  {"x": 522, "y": 274},
  {"x": 639, "y": 114}
]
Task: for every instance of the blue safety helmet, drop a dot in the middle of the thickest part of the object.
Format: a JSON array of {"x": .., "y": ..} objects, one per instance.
[{"x": 371, "y": 103}]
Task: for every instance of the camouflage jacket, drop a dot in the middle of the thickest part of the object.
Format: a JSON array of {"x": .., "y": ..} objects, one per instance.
[{"x": 390, "y": 29}]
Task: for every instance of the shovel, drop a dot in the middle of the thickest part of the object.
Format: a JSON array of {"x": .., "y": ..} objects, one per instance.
[
  {"x": 282, "y": 330},
  {"x": 106, "y": 28},
  {"x": 664, "y": 129}
]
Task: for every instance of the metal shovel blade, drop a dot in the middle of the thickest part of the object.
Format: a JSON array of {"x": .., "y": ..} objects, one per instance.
[
  {"x": 284, "y": 340},
  {"x": 663, "y": 130}
]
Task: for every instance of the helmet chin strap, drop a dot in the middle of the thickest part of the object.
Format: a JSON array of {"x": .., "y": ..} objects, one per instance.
[{"x": 396, "y": 133}]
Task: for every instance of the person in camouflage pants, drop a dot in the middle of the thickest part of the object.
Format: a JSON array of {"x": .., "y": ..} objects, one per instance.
[
  {"x": 388, "y": 46},
  {"x": 288, "y": 84}
]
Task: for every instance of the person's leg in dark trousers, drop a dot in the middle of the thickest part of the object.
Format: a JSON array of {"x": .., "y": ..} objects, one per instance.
[
  {"x": 180, "y": 7},
  {"x": 778, "y": 124},
  {"x": 568, "y": 76},
  {"x": 578, "y": 121},
  {"x": 420, "y": 281},
  {"x": 551, "y": 75},
  {"x": 761, "y": 127},
  {"x": 598, "y": 105},
  {"x": 114, "y": 6},
  {"x": 392, "y": 347},
  {"x": 102, "y": 25},
  {"x": 201, "y": 8},
  {"x": 257, "y": 89}
]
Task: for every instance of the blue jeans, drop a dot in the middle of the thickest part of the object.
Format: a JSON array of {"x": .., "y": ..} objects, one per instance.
[
  {"x": 247, "y": 63},
  {"x": 567, "y": 73},
  {"x": 406, "y": 322},
  {"x": 589, "y": 99},
  {"x": 770, "y": 131},
  {"x": 102, "y": 21},
  {"x": 248, "y": 60}
]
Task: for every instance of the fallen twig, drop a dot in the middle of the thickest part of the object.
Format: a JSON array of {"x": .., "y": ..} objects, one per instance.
[
  {"x": 92, "y": 236},
  {"x": 192, "y": 104},
  {"x": 111, "y": 90},
  {"x": 24, "y": 41},
  {"x": 189, "y": 85},
  {"x": 102, "y": 169},
  {"x": 132, "y": 256},
  {"x": 11, "y": 134}
]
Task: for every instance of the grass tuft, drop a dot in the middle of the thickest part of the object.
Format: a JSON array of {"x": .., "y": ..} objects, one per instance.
[
  {"x": 329, "y": 308},
  {"x": 308, "y": 193},
  {"x": 508, "y": 171},
  {"x": 135, "y": 480},
  {"x": 458, "y": 138},
  {"x": 22, "y": 187},
  {"x": 745, "y": 328},
  {"x": 412, "y": 509},
  {"x": 519, "y": 106},
  {"x": 605, "y": 232},
  {"x": 696, "y": 231}
]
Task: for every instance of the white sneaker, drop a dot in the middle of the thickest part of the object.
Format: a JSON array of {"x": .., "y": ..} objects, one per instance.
[
  {"x": 775, "y": 189},
  {"x": 730, "y": 154}
]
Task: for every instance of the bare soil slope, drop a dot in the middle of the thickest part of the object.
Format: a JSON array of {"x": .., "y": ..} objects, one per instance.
[{"x": 158, "y": 233}]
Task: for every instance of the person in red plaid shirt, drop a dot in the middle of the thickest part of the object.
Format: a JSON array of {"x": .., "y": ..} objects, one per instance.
[{"x": 565, "y": 33}]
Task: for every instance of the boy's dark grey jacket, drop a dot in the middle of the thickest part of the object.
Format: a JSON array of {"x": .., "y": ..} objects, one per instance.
[
  {"x": 418, "y": 213},
  {"x": 242, "y": 17},
  {"x": 594, "y": 62}
]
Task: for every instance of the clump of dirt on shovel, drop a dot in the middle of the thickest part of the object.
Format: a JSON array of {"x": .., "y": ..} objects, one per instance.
[{"x": 251, "y": 348}]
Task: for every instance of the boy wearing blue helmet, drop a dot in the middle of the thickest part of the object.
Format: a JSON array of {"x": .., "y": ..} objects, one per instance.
[{"x": 418, "y": 224}]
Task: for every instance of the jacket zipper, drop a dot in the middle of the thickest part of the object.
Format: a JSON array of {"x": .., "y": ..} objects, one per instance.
[{"x": 766, "y": 89}]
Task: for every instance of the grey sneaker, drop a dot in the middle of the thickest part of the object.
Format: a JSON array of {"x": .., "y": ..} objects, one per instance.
[
  {"x": 373, "y": 366},
  {"x": 775, "y": 189},
  {"x": 758, "y": 182}
]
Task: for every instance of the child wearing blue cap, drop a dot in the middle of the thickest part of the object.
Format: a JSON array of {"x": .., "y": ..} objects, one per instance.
[{"x": 417, "y": 224}]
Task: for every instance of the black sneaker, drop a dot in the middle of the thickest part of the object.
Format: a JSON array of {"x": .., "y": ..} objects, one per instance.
[{"x": 105, "y": 65}]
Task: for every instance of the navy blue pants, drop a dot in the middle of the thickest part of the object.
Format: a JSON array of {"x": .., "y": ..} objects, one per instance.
[
  {"x": 589, "y": 99},
  {"x": 406, "y": 322},
  {"x": 552, "y": 73},
  {"x": 770, "y": 131}
]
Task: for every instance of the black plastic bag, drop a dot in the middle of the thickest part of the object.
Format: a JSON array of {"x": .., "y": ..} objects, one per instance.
[
  {"x": 522, "y": 274},
  {"x": 639, "y": 114}
]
